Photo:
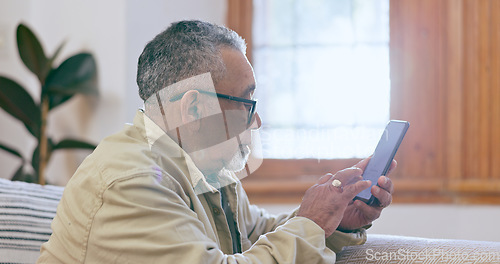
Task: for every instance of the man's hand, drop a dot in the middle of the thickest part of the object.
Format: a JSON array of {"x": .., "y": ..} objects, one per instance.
[
  {"x": 358, "y": 213},
  {"x": 325, "y": 204}
]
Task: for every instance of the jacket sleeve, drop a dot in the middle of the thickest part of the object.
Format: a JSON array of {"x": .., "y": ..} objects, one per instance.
[
  {"x": 142, "y": 221},
  {"x": 338, "y": 240},
  {"x": 257, "y": 220},
  {"x": 260, "y": 222}
]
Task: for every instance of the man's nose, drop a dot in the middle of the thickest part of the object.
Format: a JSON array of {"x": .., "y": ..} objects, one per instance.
[{"x": 257, "y": 122}]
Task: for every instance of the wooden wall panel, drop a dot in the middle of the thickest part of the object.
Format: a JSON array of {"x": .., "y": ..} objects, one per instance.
[
  {"x": 471, "y": 126},
  {"x": 465, "y": 93},
  {"x": 477, "y": 83},
  {"x": 495, "y": 85},
  {"x": 239, "y": 19},
  {"x": 414, "y": 27},
  {"x": 452, "y": 85}
]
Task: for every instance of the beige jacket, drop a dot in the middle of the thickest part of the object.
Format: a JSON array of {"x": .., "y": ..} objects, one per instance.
[{"x": 131, "y": 203}]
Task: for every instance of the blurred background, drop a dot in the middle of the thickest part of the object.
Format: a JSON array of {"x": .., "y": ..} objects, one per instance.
[{"x": 330, "y": 75}]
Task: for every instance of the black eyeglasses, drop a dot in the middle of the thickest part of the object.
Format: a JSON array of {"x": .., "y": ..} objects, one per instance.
[{"x": 249, "y": 104}]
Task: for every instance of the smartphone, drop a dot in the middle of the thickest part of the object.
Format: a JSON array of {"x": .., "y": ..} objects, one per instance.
[{"x": 382, "y": 157}]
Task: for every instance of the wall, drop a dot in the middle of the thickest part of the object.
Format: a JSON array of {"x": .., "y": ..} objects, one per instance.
[
  {"x": 115, "y": 31},
  {"x": 145, "y": 19}
]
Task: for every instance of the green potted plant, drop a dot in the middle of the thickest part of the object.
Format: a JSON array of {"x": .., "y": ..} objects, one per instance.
[{"x": 76, "y": 75}]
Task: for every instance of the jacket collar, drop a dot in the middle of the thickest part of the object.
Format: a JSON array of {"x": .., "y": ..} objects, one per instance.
[{"x": 156, "y": 137}]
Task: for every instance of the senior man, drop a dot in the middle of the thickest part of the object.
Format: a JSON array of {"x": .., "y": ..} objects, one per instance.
[{"x": 164, "y": 189}]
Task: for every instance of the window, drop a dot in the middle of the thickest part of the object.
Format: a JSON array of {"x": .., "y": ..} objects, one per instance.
[{"x": 322, "y": 69}]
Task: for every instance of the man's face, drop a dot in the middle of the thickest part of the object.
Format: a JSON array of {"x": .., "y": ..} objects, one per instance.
[{"x": 232, "y": 154}]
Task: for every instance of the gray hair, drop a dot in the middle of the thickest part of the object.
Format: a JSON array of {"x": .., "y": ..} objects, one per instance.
[{"x": 183, "y": 50}]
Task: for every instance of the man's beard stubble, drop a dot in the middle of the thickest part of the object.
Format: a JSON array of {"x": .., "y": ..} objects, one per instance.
[{"x": 239, "y": 160}]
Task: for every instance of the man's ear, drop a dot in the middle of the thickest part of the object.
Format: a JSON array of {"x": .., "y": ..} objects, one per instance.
[{"x": 191, "y": 109}]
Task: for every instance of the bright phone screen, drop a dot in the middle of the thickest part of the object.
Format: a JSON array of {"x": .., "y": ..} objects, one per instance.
[{"x": 385, "y": 151}]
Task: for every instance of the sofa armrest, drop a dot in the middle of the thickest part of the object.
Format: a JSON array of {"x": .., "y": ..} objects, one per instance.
[
  {"x": 26, "y": 212},
  {"x": 401, "y": 249}
]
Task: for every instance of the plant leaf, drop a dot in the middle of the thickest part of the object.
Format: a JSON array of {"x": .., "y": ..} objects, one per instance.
[
  {"x": 56, "y": 100},
  {"x": 74, "y": 144},
  {"x": 21, "y": 175},
  {"x": 35, "y": 161},
  {"x": 56, "y": 53},
  {"x": 31, "y": 52},
  {"x": 53, "y": 102},
  {"x": 51, "y": 147},
  {"x": 77, "y": 74},
  {"x": 12, "y": 151},
  {"x": 19, "y": 103}
]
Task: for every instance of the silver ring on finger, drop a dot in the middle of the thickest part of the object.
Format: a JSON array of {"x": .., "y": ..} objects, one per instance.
[{"x": 337, "y": 184}]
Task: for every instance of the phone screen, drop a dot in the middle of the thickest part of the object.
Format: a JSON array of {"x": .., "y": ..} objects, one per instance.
[{"x": 383, "y": 155}]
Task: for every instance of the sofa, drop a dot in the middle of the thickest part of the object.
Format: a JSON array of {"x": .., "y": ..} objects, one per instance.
[{"x": 27, "y": 209}]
